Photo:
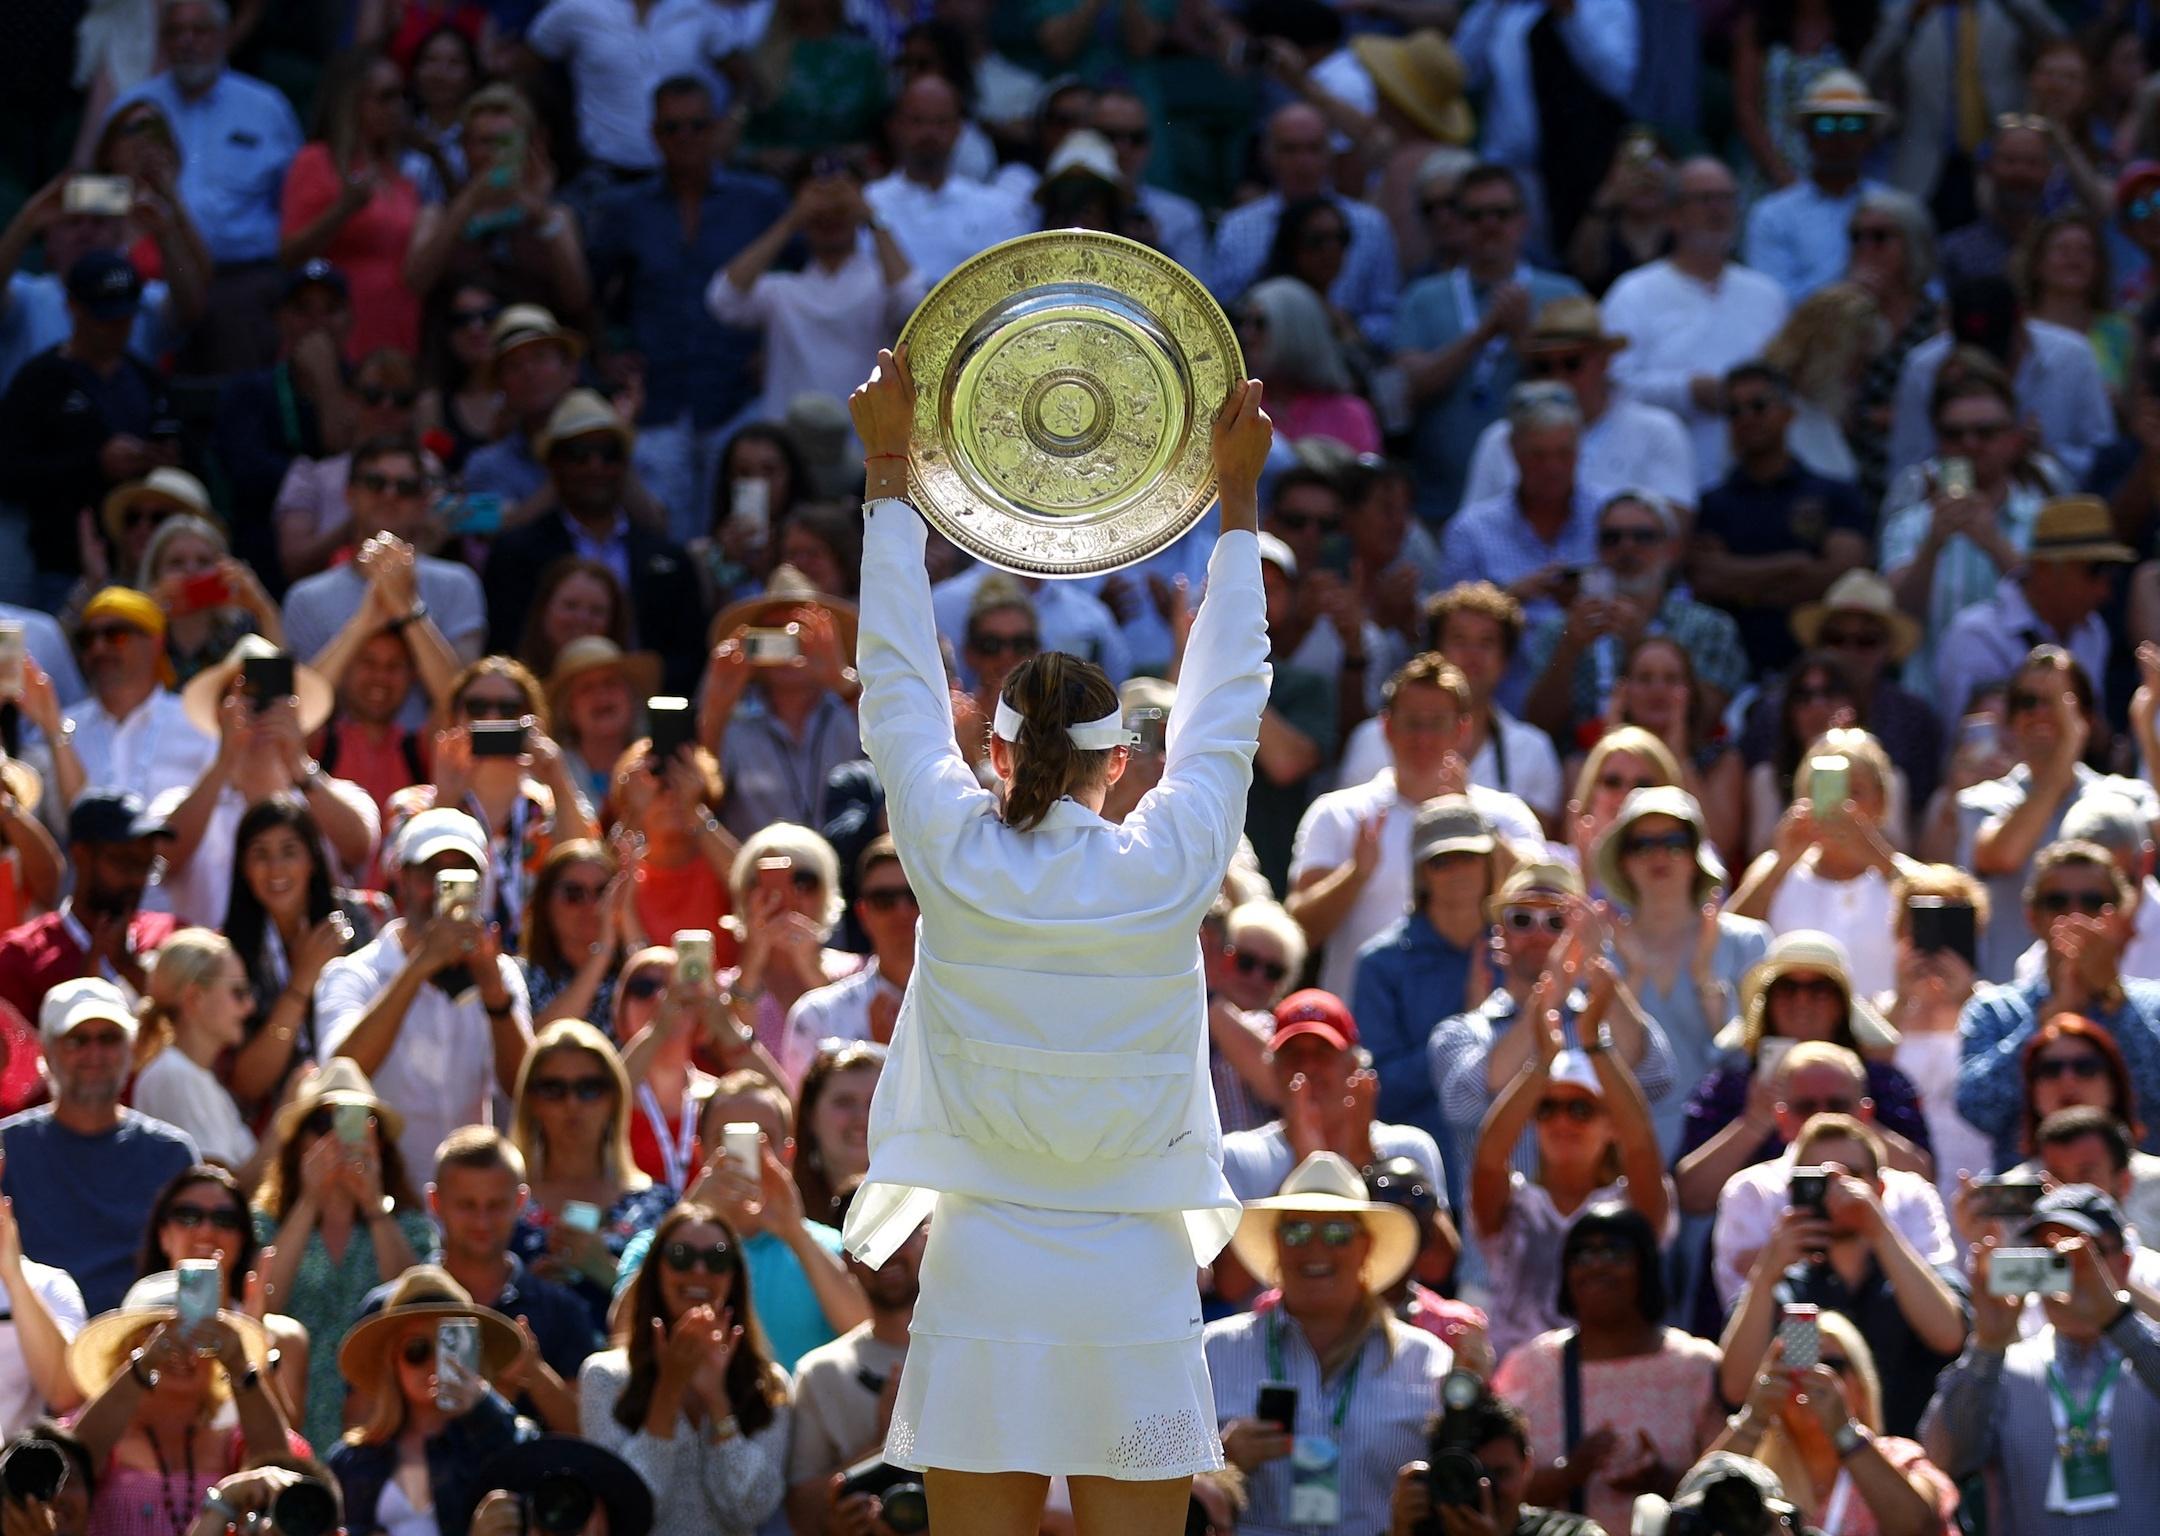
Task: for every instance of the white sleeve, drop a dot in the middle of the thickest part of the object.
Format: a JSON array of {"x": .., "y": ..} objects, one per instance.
[
  {"x": 342, "y": 995},
  {"x": 1488, "y": 473},
  {"x": 746, "y": 307},
  {"x": 1323, "y": 840}
]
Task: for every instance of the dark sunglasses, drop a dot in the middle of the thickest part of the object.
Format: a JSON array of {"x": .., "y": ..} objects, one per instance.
[
  {"x": 1118, "y": 136},
  {"x": 92, "y": 634},
  {"x": 1751, "y": 405},
  {"x": 719, "y": 1259},
  {"x": 417, "y": 1350},
  {"x": 1805, "y": 986},
  {"x": 1307, "y": 522},
  {"x": 1338, "y": 1233},
  {"x": 480, "y": 707},
  {"x": 1682, "y": 841},
  {"x": 556, "y": 1090},
  {"x": 1875, "y": 234},
  {"x": 1534, "y": 919},
  {"x": 187, "y": 1218},
  {"x": 1641, "y": 538},
  {"x": 382, "y": 394},
  {"x": 645, "y": 984},
  {"x": 1255, "y": 965},
  {"x": 407, "y": 486},
  {"x": 1614, "y": 782},
  {"x": 1004, "y": 645},
  {"x": 2022, "y": 699},
  {"x": 1971, "y": 431},
  {"x": 1489, "y": 213},
  {"x": 2084, "y": 1068},
  {"x": 1546, "y": 365},
  {"x": 461, "y": 318},
  {"x": 805, "y": 881},
  {"x": 1312, "y": 239},
  {"x": 671, "y": 127},
  {"x": 1852, "y": 639},
  {"x": 320, "y": 1123},
  {"x": 605, "y": 450},
  {"x": 2090, "y": 903},
  {"x": 578, "y": 895},
  {"x": 1604, "y": 1252},
  {"x": 1807, "y": 1109},
  {"x": 1582, "y": 1110},
  {"x": 890, "y": 898}
]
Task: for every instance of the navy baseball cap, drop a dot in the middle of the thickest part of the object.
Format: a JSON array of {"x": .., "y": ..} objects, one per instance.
[
  {"x": 106, "y": 284},
  {"x": 2084, "y": 1209},
  {"x": 112, "y": 816},
  {"x": 317, "y": 273}
]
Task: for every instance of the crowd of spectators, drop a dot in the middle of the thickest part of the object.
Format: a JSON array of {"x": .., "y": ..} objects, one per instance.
[{"x": 1685, "y": 1020}]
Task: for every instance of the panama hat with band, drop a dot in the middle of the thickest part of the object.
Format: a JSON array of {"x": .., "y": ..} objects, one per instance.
[
  {"x": 1420, "y": 76},
  {"x": 175, "y": 488},
  {"x": 523, "y": 325},
  {"x": 423, "y": 1294},
  {"x": 785, "y": 590},
  {"x": 2073, "y": 528},
  {"x": 1862, "y": 592},
  {"x": 1838, "y": 93},
  {"x": 1804, "y": 949},
  {"x": 204, "y": 696},
  {"x": 588, "y": 654},
  {"x": 1568, "y": 323},
  {"x": 1545, "y": 881},
  {"x": 96, "y": 1354},
  {"x": 582, "y": 413},
  {"x": 1326, "y": 1185},
  {"x": 341, "y": 1082},
  {"x": 1654, "y": 800}
]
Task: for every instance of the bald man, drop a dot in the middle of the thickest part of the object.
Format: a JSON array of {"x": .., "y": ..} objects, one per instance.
[{"x": 937, "y": 219}]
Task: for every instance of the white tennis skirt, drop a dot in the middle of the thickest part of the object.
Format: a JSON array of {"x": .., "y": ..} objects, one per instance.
[{"x": 1055, "y": 1342}]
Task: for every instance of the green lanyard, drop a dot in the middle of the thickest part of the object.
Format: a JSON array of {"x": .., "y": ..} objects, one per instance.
[
  {"x": 1275, "y": 1372},
  {"x": 2075, "y": 1431}
]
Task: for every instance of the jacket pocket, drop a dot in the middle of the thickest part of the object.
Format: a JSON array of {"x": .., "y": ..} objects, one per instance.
[{"x": 1073, "y": 1106}]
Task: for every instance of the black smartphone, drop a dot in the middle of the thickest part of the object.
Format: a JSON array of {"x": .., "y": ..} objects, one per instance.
[
  {"x": 2008, "y": 1198},
  {"x": 266, "y": 679},
  {"x": 1809, "y": 1191},
  {"x": 1938, "y": 925},
  {"x": 673, "y": 727},
  {"x": 498, "y": 738},
  {"x": 1278, "y": 1406}
]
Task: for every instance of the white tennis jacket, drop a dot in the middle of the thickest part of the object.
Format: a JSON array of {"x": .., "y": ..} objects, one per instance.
[{"x": 1052, "y": 1045}]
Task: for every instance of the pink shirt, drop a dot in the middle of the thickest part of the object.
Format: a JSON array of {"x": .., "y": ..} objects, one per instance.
[
  {"x": 1345, "y": 418},
  {"x": 369, "y": 248}
]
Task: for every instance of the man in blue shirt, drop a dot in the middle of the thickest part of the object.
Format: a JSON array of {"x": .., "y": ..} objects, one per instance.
[
  {"x": 1798, "y": 234},
  {"x": 654, "y": 245},
  {"x": 236, "y": 136},
  {"x": 1459, "y": 333}
]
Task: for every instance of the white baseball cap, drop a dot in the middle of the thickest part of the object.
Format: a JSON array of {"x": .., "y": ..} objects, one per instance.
[
  {"x": 71, "y": 1004},
  {"x": 440, "y": 830}
]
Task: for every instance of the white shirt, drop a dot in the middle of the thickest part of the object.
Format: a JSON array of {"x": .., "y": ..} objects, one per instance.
[
  {"x": 1632, "y": 446},
  {"x": 818, "y": 323},
  {"x": 839, "y": 1010},
  {"x": 440, "y": 1071},
  {"x": 616, "y": 57},
  {"x": 174, "y": 1088},
  {"x": 1516, "y": 758},
  {"x": 1328, "y": 835},
  {"x": 1321, "y": 653},
  {"x": 1679, "y": 329},
  {"x": 154, "y": 749},
  {"x": 1257, "y": 1161},
  {"x": 1052, "y": 1047},
  {"x": 20, "y": 1401},
  {"x": 200, "y": 890},
  {"x": 1856, "y": 910},
  {"x": 939, "y": 228},
  {"x": 1754, "y": 1198},
  {"x": 1931, "y": 1060}
]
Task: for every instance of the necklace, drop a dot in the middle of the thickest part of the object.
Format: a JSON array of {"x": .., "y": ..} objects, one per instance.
[{"x": 181, "y": 1515}]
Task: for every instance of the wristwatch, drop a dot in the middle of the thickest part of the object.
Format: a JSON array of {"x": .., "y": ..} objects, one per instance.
[
  {"x": 1849, "y": 1438},
  {"x": 215, "y": 1503},
  {"x": 419, "y": 612}
]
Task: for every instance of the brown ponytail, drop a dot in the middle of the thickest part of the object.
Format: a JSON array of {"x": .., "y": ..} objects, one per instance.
[{"x": 1051, "y": 691}]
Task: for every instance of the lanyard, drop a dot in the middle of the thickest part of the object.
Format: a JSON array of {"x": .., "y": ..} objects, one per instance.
[
  {"x": 2081, "y": 1429},
  {"x": 1497, "y": 735},
  {"x": 1833, "y": 1520},
  {"x": 1491, "y": 354},
  {"x": 674, "y": 1145},
  {"x": 1342, "y": 1393},
  {"x": 509, "y": 863}
]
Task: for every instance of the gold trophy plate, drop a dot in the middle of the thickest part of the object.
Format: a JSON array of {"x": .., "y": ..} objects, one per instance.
[{"x": 1066, "y": 383}]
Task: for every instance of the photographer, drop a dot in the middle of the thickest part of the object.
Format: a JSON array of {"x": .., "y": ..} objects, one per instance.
[
  {"x": 1486, "y": 1446},
  {"x": 559, "y": 1485},
  {"x": 49, "y": 1479},
  {"x": 290, "y": 1496}
]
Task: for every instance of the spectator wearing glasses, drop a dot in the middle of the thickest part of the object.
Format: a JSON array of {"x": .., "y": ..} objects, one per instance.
[
  {"x": 1500, "y": 1436},
  {"x": 1772, "y": 534},
  {"x": 1459, "y": 333},
  {"x": 1329, "y": 634},
  {"x": 461, "y": 399},
  {"x": 132, "y": 732},
  {"x": 2012, "y": 185},
  {"x": 2113, "y": 822},
  {"x": 1797, "y": 234},
  {"x": 1122, "y": 118},
  {"x": 1893, "y": 258},
  {"x": 664, "y": 1020},
  {"x": 2003, "y": 823},
  {"x": 2086, "y": 1144},
  {"x": 785, "y": 891},
  {"x": 1574, "y": 656},
  {"x": 576, "y": 934},
  {"x": 1253, "y": 954},
  {"x": 1850, "y": 1258},
  {"x": 2078, "y": 901},
  {"x": 1815, "y": 1078},
  {"x": 2056, "y": 597},
  {"x": 866, "y": 1005},
  {"x": 1625, "y": 441},
  {"x": 130, "y": 516},
  {"x": 184, "y": 555},
  {"x": 313, "y": 512},
  {"x": 1032, "y": 615},
  {"x": 532, "y": 361}
]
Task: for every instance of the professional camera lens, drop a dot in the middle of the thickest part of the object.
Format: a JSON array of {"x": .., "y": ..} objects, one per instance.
[
  {"x": 906, "y": 1509},
  {"x": 305, "y": 1508},
  {"x": 561, "y": 1505},
  {"x": 1456, "y": 1480},
  {"x": 34, "y": 1469}
]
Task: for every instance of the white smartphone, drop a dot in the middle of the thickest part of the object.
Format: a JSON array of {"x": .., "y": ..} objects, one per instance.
[
  {"x": 1801, "y": 1331},
  {"x": 107, "y": 197},
  {"x": 2028, "y": 1272},
  {"x": 750, "y": 508},
  {"x": 693, "y": 955},
  {"x": 771, "y": 647},
  {"x": 1770, "y": 1053},
  {"x": 581, "y": 1216},
  {"x": 745, "y": 1146},
  {"x": 195, "y": 1299},
  {"x": 457, "y": 1349}
]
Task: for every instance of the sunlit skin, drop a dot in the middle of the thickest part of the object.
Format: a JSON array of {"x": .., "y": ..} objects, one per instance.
[{"x": 841, "y": 1124}]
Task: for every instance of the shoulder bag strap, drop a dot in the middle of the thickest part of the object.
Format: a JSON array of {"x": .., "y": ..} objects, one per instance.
[{"x": 1571, "y": 1429}]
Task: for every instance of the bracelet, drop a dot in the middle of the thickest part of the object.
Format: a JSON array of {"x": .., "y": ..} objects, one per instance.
[
  {"x": 503, "y": 1011},
  {"x": 418, "y": 612},
  {"x": 869, "y": 456},
  {"x": 144, "y": 1377},
  {"x": 1850, "y": 1437}
]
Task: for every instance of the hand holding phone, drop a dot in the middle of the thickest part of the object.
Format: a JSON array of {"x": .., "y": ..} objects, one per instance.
[{"x": 1800, "y": 1331}]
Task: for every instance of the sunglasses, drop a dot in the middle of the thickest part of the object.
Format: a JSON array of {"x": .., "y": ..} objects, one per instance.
[
  {"x": 1546, "y": 366},
  {"x": 1660, "y": 842},
  {"x": 417, "y": 1350},
  {"x": 1488, "y": 213},
  {"x": 1004, "y": 645},
  {"x": 1641, "y": 538},
  {"x": 684, "y": 1257},
  {"x": 672, "y": 127},
  {"x": 1582, "y": 1111},
  {"x": 1971, "y": 431},
  {"x": 1834, "y": 127},
  {"x": 1314, "y": 239},
  {"x": 461, "y": 318},
  {"x": 2090, "y": 903},
  {"x": 604, "y": 450},
  {"x": 645, "y": 985},
  {"x": 576, "y": 894},
  {"x": 1332, "y": 1234},
  {"x": 1535, "y": 919},
  {"x": 1874, "y": 234},
  {"x": 805, "y": 881},
  {"x": 478, "y": 706},
  {"x": 1307, "y": 522},
  {"x": 1750, "y": 405},
  {"x": 1852, "y": 639},
  {"x": 1606, "y": 1253},
  {"x": 407, "y": 486},
  {"x": 1807, "y": 1109},
  {"x": 2084, "y": 1068},
  {"x": 2022, "y": 699},
  {"x": 381, "y": 394},
  {"x": 557, "y": 1090},
  {"x": 890, "y": 898},
  {"x": 1125, "y": 135},
  {"x": 145, "y": 517},
  {"x": 1805, "y": 986},
  {"x": 187, "y": 1218},
  {"x": 1619, "y": 785},
  {"x": 320, "y": 1123},
  {"x": 94, "y": 634},
  {"x": 1255, "y": 965}
]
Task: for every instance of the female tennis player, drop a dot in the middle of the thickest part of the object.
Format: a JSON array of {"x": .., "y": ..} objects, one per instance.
[{"x": 1047, "y": 1094}]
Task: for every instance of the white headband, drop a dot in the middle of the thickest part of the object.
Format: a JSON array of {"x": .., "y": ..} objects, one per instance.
[{"x": 1088, "y": 735}]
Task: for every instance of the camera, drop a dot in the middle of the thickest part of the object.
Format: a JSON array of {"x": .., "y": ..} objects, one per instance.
[
  {"x": 305, "y": 1508},
  {"x": 1730, "y": 1504},
  {"x": 559, "y": 1505},
  {"x": 2008, "y": 1198},
  {"x": 33, "y": 1469},
  {"x": 2028, "y": 1272},
  {"x": 905, "y": 1508},
  {"x": 1455, "y": 1477},
  {"x": 1809, "y": 1191}
]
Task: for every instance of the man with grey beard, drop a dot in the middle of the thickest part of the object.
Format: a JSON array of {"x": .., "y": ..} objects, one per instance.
[{"x": 1575, "y": 656}]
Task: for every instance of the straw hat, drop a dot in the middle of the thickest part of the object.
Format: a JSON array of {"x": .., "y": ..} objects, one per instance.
[
  {"x": 581, "y": 413},
  {"x": 1804, "y": 949},
  {"x": 2077, "y": 528},
  {"x": 423, "y": 1293},
  {"x": 1655, "y": 800},
  {"x": 1326, "y": 1185},
  {"x": 342, "y": 1082},
  {"x": 1546, "y": 880},
  {"x": 176, "y": 486},
  {"x": 521, "y": 325},
  {"x": 200, "y": 699},
  {"x": 1838, "y": 93},
  {"x": 98, "y": 1351},
  {"x": 1421, "y": 77},
  {"x": 1567, "y": 323},
  {"x": 597, "y": 653},
  {"x": 786, "y": 589},
  {"x": 1858, "y": 591}
]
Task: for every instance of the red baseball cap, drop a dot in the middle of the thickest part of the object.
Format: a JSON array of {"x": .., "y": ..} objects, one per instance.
[{"x": 1313, "y": 1012}]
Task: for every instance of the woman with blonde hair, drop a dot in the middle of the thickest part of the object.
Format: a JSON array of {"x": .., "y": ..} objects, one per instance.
[
  {"x": 1824, "y": 348},
  {"x": 786, "y": 888},
  {"x": 1623, "y": 760},
  {"x": 197, "y": 1008},
  {"x": 202, "y": 624},
  {"x": 571, "y": 1123}
]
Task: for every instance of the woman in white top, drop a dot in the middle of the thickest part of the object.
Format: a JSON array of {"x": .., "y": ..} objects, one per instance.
[
  {"x": 198, "y": 1006},
  {"x": 1047, "y": 1092}
]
